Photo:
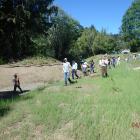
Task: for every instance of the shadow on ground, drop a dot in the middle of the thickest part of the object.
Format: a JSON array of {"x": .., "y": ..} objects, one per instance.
[
  {"x": 11, "y": 94},
  {"x": 4, "y": 110},
  {"x": 8, "y": 97}
]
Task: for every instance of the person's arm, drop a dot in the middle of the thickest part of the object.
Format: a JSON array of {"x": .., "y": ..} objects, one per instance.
[
  {"x": 13, "y": 81},
  {"x": 18, "y": 81},
  {"x": 76, "y": 66},
  {"x": 63, "y": 68},
  {"x": 70, "y": 67}
]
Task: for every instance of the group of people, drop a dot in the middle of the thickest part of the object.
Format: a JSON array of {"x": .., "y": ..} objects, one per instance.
[
  {"x": 86, "y": 68},
  {"x": 113, "y": 61},
  {"x": 108, "y": 62},
  {"x": 67, "y": 69}
]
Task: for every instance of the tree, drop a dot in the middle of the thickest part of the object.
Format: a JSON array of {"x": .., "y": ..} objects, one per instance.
[
  {"x": 63, "y": 34},
  {"x": 131, "y": 26},
  {"x": 93, "y": 42},
  {"x": 20, "y": 21}
]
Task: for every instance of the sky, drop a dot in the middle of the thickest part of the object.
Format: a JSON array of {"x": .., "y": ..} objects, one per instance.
[{"x": 103, "y": 14}]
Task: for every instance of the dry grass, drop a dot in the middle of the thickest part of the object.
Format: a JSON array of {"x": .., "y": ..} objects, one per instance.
[{"x": 32, "y": 74}]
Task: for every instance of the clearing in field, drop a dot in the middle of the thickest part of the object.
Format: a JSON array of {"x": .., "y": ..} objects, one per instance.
[{"x": 93, "y": 109}]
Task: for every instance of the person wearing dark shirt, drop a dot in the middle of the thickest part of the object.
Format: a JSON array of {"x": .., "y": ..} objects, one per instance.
[
  {"x": 17, "y": 83},
  {"x": 92, "y": 67}
]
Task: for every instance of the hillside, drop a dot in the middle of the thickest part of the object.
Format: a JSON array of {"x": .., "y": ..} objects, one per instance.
[
  {"x": 33, "y": 72},
  {"x": 93, "y": 108}
]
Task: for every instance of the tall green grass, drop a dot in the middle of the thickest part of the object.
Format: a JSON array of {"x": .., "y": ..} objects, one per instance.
[{"x": 95, "y": 108}]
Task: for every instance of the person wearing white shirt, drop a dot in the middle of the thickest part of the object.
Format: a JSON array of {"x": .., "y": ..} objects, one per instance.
[
  {"x": 66, "y": 70},
  {"x": 103, "y": 64},
  {"x": 74, "y": 70},
  {"x": 84, "y": 68},
  {"x": 118, "y": 60}
]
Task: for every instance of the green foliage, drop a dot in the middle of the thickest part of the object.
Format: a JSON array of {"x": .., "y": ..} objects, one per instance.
[
  {"x": 92, "y": 42},
  {"x": 94, "y": 108},
  {"x": 131, "y": 26},
  {"x": 36, "y": 27},
  {"x": 63, "y": 33},
  {"x": 19, "y": 22},
  {"x": 1, "y": 61}
]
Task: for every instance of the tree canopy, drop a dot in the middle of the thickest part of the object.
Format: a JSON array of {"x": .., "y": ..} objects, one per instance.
[
  {"x": 20, "y": 20},
  {"x": 131, "y": 26},
  {"x": 37, "y": 27},
  {"x": 63, "y": 34}
]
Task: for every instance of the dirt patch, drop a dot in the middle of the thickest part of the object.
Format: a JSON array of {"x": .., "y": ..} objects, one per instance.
[
  {"x": 63, "y": 105},
  {"x": 38, "y": 133},
  {"x": 11, "y": 131},
  {"x": 61, "y": 134},
  {"x": 54, "y": 89},
  {"x": 33, "y": 75},
  {"x": 87, "y": 88}
]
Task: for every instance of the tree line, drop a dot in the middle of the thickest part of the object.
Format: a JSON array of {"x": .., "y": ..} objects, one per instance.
[{"x": 37, "y": 27}]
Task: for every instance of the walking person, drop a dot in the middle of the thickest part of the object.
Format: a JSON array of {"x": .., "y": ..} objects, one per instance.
[
  {"x": 74, "y": 70},
  {"x": 106, "y": 63},
  {"x": 113, "y": 62},
  {"x": 109, "y": 63},
  {"x": 103, "y": 65},
  {"x": 92, "y": 66},
  {"x": 84, "y": 68},
  {"x": 17, "y": 83},
  {"x": 118, "y": 60},
  {"x": 66, "y": 70}
]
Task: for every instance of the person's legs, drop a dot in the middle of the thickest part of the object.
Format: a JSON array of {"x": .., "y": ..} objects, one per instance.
[
  {"x": 20, "y": 88},
  {"x": 73, "y": 72},
  {"x": 65, "y": 78},
  {"x": 106, "y": 74},
  {"x": 91, "y": 70},
  {"x": 76, "y": 74},
  {"x": 85, "y": 71},
  {"x": 102, "y": 71},
  {"x": 15, "y": 87},
  {"x": 68, "y": 78},
  {"x": 114, "y": 65}
]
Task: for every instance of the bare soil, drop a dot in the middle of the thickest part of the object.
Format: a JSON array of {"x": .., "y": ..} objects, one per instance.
[{"x": 31, "y": 77}]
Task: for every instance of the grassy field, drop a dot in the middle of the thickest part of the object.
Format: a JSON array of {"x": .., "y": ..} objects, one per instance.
[
  {"x": 93, "y": 109},
  {"x": 34, "y": 61}
]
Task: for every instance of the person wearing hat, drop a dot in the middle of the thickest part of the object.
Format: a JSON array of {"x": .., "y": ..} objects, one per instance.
[{"x": 66, "y": 70}]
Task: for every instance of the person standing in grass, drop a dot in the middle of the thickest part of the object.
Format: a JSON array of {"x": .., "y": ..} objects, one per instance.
[
  {"x": 74, "y": 70},
  {"x": 118, "y": 60},
  {"x": 109, "y": 63},
  {"x": 92, "y": 67},
  {"x": 106, "y": 63},
  {"x": 103, "y": 64},
  {"x": 66, "y": 70},
  {"x": 17, "y": 83},
  {"x": 113, "y": 62},
  {"x": 84, "y": 67}
]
